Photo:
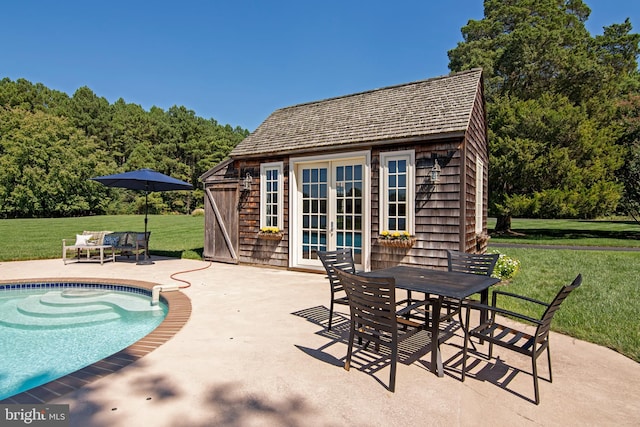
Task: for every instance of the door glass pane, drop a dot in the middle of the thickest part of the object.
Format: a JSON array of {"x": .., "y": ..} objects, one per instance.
[
  {"x": 357, "y": 243},
  {"x": 314, "y": 211},
  {"x": 357, "y": 171},
  {"x": 349, "y": 184}
]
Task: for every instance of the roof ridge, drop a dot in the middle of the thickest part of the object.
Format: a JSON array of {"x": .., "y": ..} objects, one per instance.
[{"x": 431, "y": 79}]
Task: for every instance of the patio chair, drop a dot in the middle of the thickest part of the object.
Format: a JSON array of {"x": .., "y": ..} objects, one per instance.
[
  {"x": 471, "y": 263},
  {"x": 463, "y": 262},
  {"x": 460, "y": 262},
  {"x": 372, "y": 304},
  {"x": 342, "y": 259},
  {"x": 513, "y": 338}
]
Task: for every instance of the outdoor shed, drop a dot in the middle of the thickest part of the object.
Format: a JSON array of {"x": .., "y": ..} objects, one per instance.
[{"x": 347, "y": 171}]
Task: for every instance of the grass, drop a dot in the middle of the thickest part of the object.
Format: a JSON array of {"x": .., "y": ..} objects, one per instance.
[
  {"x": 604, "y": 310},
  {"x": 178, "y": 236},
  {"x": 619, "y": 233}
]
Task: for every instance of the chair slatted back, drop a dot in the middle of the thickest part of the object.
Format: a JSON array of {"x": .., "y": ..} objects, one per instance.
[
  {"x": 472, "y": 263},
  {"x": 516, "y": 339},
  {"x": 542, "y": 332},
  {"x": 372, "y": 302},
  {"x": 342, "y": 259}
]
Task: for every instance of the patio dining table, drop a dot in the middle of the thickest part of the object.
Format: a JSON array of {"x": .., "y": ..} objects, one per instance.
[{"x": 443, "y": 284}]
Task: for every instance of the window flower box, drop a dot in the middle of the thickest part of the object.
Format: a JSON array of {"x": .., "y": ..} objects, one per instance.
[
  {"x": 270, "y": 233},
  {"x": 396, "y": 239}
]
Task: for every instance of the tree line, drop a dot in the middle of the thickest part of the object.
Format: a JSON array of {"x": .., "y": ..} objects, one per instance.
[
  {"x": 563, "y": 111},
  {"x": 562, "y": 107},
  {"x": 52, "y": 143}
]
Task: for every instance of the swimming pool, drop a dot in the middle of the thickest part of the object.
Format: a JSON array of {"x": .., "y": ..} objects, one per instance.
[{"x": 49, "y": 330}]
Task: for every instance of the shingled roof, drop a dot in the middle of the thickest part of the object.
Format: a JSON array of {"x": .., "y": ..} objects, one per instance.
[{"x": 439, "y": 106}]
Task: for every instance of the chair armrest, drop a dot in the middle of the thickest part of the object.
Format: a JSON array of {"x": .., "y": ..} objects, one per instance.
[
  {"x": 408, "y": 309},
  {"x": 494, "y": 309},
  {"x": 522, "y": 297},
  {"x": 141, "y": 241},
  {"x": 407, "y": 322}
]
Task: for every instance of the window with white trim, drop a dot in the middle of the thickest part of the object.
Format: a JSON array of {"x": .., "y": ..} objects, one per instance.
[
  {"x": 271, "y": 195},
  {"x": 479, "y": 193},
  {"x": 397, "y": 189}
]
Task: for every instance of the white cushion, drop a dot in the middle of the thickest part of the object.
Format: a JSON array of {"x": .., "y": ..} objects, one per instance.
[{"x": 83, "y": 239}]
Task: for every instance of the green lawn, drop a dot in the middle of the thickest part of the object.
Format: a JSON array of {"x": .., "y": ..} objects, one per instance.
[
  {"x": 623, "y": 233},
  {"x": 179, "y": 236},
  {"x": 605, "y": 310}
]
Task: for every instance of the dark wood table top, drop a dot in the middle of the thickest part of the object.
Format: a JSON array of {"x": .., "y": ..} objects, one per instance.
[{"x": 437, "y": 282}]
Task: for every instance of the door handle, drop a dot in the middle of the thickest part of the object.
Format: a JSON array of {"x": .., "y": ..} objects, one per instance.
[{"x": 331, "y": 227}]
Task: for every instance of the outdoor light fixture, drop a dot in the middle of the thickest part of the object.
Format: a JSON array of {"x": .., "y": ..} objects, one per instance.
[
  {"x": 246, "y": 182},
  {"x": 435, "y": 171}
]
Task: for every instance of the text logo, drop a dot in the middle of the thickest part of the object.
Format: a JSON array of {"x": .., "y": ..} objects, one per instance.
[{"x": 34, "y": 415}]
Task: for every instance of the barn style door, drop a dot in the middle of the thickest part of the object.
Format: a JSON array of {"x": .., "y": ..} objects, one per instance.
[{"x": 221, "y": 225}]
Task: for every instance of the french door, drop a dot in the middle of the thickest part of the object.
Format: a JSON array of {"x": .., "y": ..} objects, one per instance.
[{"x": 331, "y": 209}]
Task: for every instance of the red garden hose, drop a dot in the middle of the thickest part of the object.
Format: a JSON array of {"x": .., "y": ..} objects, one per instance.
[{"x": 188, "y": 271}]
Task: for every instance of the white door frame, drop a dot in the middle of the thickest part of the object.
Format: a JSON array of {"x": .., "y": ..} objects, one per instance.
[{"x": 295, "y": 209}]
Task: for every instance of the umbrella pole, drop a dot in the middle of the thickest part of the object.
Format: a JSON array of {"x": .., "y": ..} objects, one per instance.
[{"x": 146, "y": 260}]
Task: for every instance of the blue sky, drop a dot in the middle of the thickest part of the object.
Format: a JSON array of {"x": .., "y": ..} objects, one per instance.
[{"x": 238, "y": 61}]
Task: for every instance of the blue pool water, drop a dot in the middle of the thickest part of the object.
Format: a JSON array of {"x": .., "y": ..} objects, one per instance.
[{"x": 48, "y": 333}]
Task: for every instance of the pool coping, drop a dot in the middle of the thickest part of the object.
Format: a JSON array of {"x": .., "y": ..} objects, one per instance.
[{"x": 179, "y": 312}]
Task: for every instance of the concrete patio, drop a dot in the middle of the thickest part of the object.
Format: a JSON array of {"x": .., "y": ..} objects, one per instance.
[{"x": 256, "y": 352}]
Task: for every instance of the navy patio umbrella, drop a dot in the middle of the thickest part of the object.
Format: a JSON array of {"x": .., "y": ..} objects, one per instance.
[{"x": 146, "y": 180}]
